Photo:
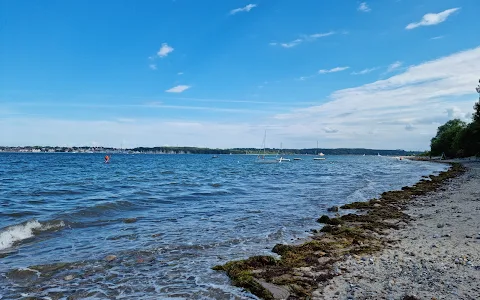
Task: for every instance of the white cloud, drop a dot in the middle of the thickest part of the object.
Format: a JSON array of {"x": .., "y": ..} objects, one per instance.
[
  {"x": 330, "y": 130},
  {"x": 437, "y": 37},
  {"x": 164, "y": 50},
  {"x": 180, "y": 73},
  {"x": 303, "y": 78},
  {"x": 394, "y": 66},
  {"x": 291, "y": 44},
  {"x": 409, "y": 127},
  {"x": 319, "y": 35},
  {"x": 364, "y": 7},
  {"x": 152, "y": 66},
  {"x": 336, "y": 69},
  {"x": 364, "y": 71},
  {"x": 303, "y": 38},
  {"x": 433, "y": 19},
  {"x": 456, "y": 113},
  {"x": 402, "y": 111},
  {"x": 247, "y": 8},
  {"x": 178, "y": 89}
]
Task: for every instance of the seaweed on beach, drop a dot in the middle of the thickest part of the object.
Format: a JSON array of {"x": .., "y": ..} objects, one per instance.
[{"x": 301, "y": 267}]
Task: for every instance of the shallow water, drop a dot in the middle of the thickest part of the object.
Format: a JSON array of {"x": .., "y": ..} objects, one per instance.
[{"x": 192, "y": 212}]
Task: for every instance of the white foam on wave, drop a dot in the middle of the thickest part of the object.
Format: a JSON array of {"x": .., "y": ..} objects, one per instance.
[{"x": 16, "y": 233}]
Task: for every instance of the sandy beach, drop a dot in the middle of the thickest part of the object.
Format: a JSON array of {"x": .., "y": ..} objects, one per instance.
[
  {"x": 422, "y": 242},
  {"x": 436, "y": 256}
]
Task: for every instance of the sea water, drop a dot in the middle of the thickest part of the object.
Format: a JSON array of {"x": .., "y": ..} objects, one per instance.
[{"x": 167, "y": 219}]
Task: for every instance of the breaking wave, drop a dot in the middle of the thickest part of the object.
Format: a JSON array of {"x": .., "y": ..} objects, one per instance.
[{"x": 11, "y": 235}]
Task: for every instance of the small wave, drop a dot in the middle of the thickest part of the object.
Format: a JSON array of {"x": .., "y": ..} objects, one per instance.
[
  {"x": 55, "y": 193},
  {"x": 19, "y": 214},
  {"x": 213, "y": 193},
  {"x": 17, "y": 233},
  {"x": 101, "y": 208}
]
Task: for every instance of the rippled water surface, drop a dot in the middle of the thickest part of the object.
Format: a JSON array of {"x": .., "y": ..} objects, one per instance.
[{"x": 167, "y": 218}]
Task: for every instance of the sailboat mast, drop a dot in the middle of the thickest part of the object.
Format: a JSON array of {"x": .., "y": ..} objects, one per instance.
[{"x": 264, "y": 141}]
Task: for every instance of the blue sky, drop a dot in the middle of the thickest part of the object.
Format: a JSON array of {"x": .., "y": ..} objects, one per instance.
[{"x": 377, "y": 74}]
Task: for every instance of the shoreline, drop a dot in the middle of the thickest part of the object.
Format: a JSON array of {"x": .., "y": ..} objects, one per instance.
[
  {"x": 366, "y": 230},
  {"x": 435, "y": 256}
]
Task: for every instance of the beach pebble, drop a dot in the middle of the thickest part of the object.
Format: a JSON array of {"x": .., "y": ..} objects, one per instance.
[
  {"x": 110, "y": 257},
  {"x": 68, "y": 277},
  {"x": 337, "y": 271},
  {"x": 440, "y": 225},
  {"x": 468, "y": 236}
]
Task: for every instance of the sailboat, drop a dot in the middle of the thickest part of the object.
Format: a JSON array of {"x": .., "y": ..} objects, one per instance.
[
  {"x": 320, "y": 154},
  {"x": 281, "y": 157},
  {"x": 262, "y": 159}
]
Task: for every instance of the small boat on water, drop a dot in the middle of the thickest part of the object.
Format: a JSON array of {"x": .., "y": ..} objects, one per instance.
[
  {"x": 297, "y": 158},
  {"x": 262, "y": 158},
  {"x": 215, "y": 156},
  {"x": 319, "y": 154},
  {"x": 281, "y": 157}
]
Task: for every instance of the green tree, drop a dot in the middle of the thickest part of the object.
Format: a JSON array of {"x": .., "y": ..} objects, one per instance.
[
  {"x": 449, "y": 138},
  {"x": 476, "y": 113},
  {"x": 471, "y": 137}
]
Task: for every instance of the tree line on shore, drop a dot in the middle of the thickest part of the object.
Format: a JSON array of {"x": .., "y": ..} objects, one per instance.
[
  {"x": 311, "y": 151},
  {"x": 457, "y": 138}
]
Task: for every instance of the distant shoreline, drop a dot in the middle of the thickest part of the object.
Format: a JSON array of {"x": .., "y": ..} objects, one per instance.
[
  {"x": 247, "y": 154},
  {"x": 211, "y": 151}
]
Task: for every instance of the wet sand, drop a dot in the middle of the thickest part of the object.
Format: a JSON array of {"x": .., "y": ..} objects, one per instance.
[{"x": 435, "y": 256}]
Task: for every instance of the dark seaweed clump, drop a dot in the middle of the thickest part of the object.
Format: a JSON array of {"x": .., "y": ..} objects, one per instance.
[{"x": 301, "y": 267}]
